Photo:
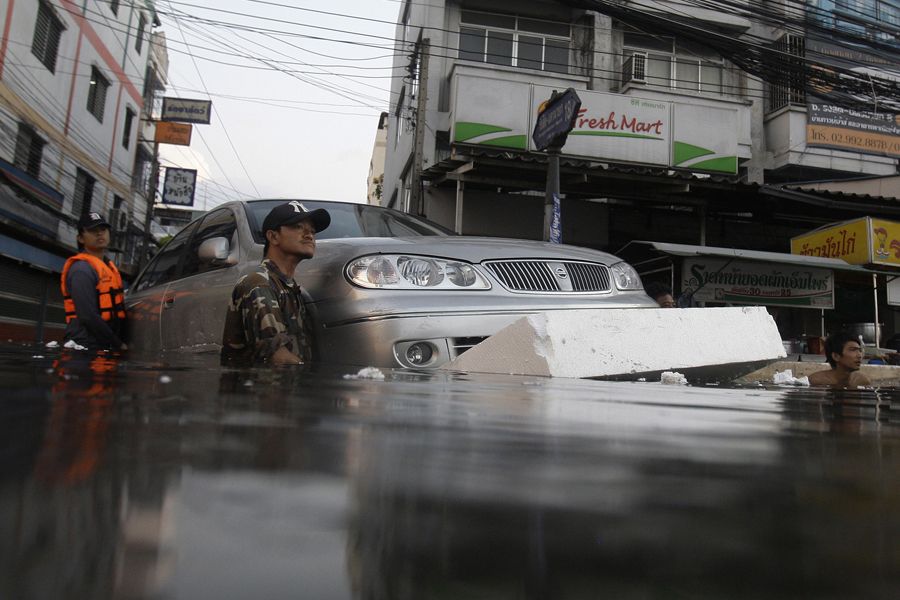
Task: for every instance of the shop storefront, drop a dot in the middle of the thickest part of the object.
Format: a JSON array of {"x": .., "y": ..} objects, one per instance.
[{"x": 807, "y": 295}]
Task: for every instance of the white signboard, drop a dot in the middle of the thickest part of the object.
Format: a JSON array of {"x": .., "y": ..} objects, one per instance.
[
  {"x": 617, "y": 127},
  {"x": 614, "y": 127},
  {"x": 747, "y": 282},
  {"x": 185, "y": 110},
  {"x": 704, "y": 138},
  {"x": 492, "y": 112},
  {"x": 179, "y": 186}
]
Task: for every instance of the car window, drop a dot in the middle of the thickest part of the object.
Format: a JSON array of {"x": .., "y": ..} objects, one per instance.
[
  {"x": 350, "y": 220},
  {"x": 164, "y": 266},
  {"x": 219, "y": 223}
]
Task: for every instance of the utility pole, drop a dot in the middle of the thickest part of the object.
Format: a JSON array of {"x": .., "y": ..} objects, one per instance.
[
  {"x": 151, "y": 200},
  {"x": 418, "y": 196}
]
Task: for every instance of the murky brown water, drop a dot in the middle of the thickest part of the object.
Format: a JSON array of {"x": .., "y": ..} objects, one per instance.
[{"x": 151, "y": 480}]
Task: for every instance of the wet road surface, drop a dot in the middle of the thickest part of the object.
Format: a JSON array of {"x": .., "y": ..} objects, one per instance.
[{"x": 178, "y": 479}]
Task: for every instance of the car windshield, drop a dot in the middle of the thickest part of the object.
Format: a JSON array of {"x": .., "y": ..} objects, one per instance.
[{"x": 350, "y": 220}]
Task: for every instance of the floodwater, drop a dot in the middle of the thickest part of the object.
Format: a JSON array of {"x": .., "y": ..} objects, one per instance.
[{"x": 182, "y": 480}]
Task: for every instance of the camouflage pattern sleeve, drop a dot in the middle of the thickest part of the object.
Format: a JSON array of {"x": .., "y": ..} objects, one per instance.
[{"x": 253, "y": 326}]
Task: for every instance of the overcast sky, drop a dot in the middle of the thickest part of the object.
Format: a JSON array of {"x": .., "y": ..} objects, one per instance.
[{"x": 296, "y": 104}]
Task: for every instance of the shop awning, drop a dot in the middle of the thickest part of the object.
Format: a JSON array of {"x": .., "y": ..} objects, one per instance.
[
  {"x": 633, "y": 250},
  {"x": 31, "y": 184}
]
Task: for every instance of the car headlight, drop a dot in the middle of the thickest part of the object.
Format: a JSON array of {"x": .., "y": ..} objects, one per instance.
[
  {"x": 403, "y": 271},
  {"x": 626, "y": 277}
]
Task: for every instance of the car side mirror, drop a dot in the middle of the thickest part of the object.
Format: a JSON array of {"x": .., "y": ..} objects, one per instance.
[{"x": 217, "y": 251}]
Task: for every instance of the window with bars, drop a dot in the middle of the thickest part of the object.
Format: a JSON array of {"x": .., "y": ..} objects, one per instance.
[
  {"x": 47, "y": 31},
  {"x": 29, "y": 150},
  {"x": 126, "y": 129},
  {"x": 96, "y": 102},
  {"x": 83, "y": 195},
  {"x": 514, "y": 41},
  {"x": 139, "y": 40},
  {"x": 657, "y": 60},
  {"x": 788, "y": 86}
]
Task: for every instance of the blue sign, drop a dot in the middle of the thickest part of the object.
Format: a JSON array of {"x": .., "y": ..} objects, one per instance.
[
  {"x": 556, "y": 120},
  {"x": 556, "y": 222}
]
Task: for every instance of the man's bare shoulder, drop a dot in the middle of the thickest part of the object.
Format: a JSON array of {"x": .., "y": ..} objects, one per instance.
[
  {"x": 823, "y": 377},
  {"x": 857, "y": 379}
]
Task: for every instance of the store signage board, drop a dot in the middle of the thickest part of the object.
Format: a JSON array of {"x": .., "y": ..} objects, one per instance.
[
  {"x": 168, "y": 132},
  {"x": 179, "y": 186},
  {"x": 758, "y": 283},
  {"x": 861, "y": 241},
  {"x": 185, "y": 110}
]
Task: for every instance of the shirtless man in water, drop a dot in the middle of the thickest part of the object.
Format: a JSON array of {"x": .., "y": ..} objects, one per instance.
[{"x": 844, "y": 354}]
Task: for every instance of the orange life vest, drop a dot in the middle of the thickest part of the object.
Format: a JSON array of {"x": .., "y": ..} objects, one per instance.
[{"x": 110, "y": 292}]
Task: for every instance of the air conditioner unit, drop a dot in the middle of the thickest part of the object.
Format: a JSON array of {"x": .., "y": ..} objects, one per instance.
[
  {"x": 118, "y": 219},
  {"x": 634, "y": 70}
]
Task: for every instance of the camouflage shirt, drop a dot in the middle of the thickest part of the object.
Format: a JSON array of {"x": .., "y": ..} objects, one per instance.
[{"x": 266, "y": 312}]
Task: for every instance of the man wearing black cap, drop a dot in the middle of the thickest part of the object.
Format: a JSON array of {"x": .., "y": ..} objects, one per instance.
[
  {"x": 92, "y": 290},
  {"x": 266, "y": 321}
]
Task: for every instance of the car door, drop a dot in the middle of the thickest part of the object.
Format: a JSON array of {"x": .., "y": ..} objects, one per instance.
[
  {"x": 194, "y": 305},
  {"x": 144, "y": 300}
]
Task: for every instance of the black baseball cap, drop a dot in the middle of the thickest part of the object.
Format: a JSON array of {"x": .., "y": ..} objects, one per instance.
[
  {"x": 294, "y": 212},
  {"x": 91, "y": 220}
]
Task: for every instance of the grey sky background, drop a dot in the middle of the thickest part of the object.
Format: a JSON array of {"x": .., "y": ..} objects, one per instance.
[{"x": 296, "y": 93}]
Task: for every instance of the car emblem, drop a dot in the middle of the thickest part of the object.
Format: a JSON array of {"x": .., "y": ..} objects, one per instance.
[{"x": 561, "y": 272}]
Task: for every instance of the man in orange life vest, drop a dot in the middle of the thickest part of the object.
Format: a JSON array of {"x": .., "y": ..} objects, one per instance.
[{"x": 92, "y": 290}]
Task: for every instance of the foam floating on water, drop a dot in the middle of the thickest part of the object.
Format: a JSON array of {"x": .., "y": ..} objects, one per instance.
[
  {"x": 786, "y": 377},
  {"x": 73, "y": 345},
  {"x": 367, "y": 373},
  {"x": 52, "y": 344},
  {"x": 626, "y": 342},
  {"x": 672, "y": 378}
]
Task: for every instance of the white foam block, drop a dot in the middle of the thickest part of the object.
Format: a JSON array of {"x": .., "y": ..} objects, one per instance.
[{"x": 611, "y": 342}]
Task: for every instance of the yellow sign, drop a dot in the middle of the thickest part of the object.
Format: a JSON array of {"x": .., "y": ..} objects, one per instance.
[
  {"x": 168, "y": 132},
  {"x": 859, "y": 242},
  {"x": 848, "y": 240},
  {"x": 885, "y": 242}
]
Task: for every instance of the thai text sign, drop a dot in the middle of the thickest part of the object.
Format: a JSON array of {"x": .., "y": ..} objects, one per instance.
[
  {"x": 848, "y": 241},
  {"x": 186, "y": 111},
  {"x": 556, "y": 119},
  {"x": 859, "y": 242},
  {"x": 168, "y": 132},
  {"x": 179, "y": 186},
  {"x": 748, "y": 282},
  {"x": 832, "y": 126}
]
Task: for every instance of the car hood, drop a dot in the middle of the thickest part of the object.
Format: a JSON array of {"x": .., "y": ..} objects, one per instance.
[{"x": 468, "y": 248}]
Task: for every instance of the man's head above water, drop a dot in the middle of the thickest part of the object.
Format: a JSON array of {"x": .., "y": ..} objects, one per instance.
[{"x": 842, "y": 351}]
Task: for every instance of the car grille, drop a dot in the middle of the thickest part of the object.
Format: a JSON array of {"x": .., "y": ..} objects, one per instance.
[
  {"x": 461, "y": 344},
  {"x": 550, "y": 276}
]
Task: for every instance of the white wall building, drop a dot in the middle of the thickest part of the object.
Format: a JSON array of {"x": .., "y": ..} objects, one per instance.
[
  {"x": 717, "y": 135},
  {"x": 72, "y": 95}
]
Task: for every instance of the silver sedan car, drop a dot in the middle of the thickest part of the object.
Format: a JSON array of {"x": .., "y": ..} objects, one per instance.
[{"x": 385, "y": 289}]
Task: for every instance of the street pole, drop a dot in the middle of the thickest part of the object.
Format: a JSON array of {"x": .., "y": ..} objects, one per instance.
[
  {"x": 418, "y": 199},
  {"x": 551, "y": 198},
  {"x": 151, "y": 200}
]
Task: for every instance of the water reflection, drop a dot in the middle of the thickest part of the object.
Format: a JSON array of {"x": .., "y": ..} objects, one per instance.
[{"x": 139, "y": 480}]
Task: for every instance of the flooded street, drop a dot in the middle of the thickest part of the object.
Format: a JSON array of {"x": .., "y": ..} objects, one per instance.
[{"x": 183, "y": 480}]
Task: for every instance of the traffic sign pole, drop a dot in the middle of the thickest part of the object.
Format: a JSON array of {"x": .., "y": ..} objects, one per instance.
[{"x": 556, "y": 118}]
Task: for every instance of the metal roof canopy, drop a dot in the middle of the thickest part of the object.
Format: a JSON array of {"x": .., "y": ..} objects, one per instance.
[{"x": 755, "y": 255}]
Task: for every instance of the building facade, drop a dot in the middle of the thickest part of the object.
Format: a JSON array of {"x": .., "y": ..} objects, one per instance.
[
  {"x": 697, "y": 125},
  {"x": 374, "y": 183},
  {"x": 75, "y": 79}
]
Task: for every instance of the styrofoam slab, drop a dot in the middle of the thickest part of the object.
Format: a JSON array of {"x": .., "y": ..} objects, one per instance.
[{"x": 615, "y": 342}]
